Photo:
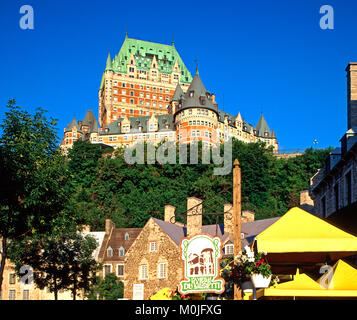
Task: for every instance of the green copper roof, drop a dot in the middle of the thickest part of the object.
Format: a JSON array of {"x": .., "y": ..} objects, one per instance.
[
  {"x": 144, "y": 52},
  {"x": 109, "y": 63}
]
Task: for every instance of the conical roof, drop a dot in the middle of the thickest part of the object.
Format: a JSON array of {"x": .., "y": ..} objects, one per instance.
[
  {"x": 90, "y": 121},
  {"x": 195, "y": 92},
  {"x": 178, "y": 95},
  {"x": 72, "y": 124},
  {"x": 262, "y": 127}
]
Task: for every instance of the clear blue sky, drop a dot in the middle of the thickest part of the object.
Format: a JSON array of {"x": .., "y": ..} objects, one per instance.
[{"x": 268, "y": 56}]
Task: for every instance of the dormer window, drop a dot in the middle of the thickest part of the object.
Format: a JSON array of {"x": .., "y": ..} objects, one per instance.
[
  {"x": 126, "y": 237},
  {"x": 110, "y": 252},
  {"x": 121, "y": 252},
  {"x": 203, "y": 101},
  {"x": 191, "y": 94},
  {"x": 265, "y": 134}
]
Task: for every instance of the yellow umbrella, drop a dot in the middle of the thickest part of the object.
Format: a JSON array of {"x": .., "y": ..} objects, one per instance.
[{"x": 300, "y": 231}]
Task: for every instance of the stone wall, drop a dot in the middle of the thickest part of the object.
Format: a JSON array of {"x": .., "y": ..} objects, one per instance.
[{"x": 139, "y": 254}]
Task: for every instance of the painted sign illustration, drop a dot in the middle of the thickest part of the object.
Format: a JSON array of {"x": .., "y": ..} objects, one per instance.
[{"x": 201, "y": 255}]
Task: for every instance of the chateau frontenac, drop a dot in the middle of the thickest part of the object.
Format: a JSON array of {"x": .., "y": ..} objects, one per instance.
[{"x": 147, "y": 94}]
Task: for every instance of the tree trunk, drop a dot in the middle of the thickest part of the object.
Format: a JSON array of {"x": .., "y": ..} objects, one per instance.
[
  {"x": 3, "y": 261},
  {"x": 74, "y": 292},
  {"x": 55, "y": 289}
]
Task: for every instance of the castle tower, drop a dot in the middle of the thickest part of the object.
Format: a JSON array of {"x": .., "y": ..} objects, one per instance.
[
  {"x": 140, "y": 80},
  {"x": 196, "y": 117}
]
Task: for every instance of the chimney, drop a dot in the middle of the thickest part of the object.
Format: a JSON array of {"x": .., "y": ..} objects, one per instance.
[
  {"x": 194, "y": 216},
  {"x": 228, "y": 218},
  {"x": 351, "y": 95},
  {"x": 109, "y": 225},
  {"x": 169, "y": 214}
]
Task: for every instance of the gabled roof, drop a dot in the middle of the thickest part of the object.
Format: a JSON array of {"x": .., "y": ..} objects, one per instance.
[
  {"x": 72, "y": 124},
  {"x": 117, "y": 241},
  {"x": 250, "y": 229}
]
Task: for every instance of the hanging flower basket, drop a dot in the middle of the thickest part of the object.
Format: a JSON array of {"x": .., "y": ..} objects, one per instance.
[{"x": 260, "y": 281}]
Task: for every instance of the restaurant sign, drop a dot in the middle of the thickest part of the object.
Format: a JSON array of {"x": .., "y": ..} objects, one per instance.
[{"x": 201, "y": 254}]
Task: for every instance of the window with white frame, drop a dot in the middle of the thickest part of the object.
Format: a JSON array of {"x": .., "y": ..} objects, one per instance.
[
  {"x": 143, "y": 272},
  {"x": 109, "y": 252},
  {"x": 126, "y": 237},
  {"x": 229, "y": 249},
  {"x": 162, "y": 270},
  {"x": 121, "y": 252},
  {"x": 153, "y": 246}
]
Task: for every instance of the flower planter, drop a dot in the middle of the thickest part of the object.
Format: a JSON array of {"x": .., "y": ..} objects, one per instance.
[{"x": 260, "y": 281}]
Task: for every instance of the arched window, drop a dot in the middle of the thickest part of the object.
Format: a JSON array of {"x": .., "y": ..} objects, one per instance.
[
  {"x": 126, "y": 237},
  {"x": 121, "y": 252}
]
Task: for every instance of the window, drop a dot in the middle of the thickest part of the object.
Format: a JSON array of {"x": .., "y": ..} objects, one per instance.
[
  {"x": 107, "y": 269},
  {"x": 153, "y": 246},
  {"x": 162, "y": 271},
  {"x": 121, "y": 252},
  {"x": 11, "y": 294},
  {"x": 143, "y": 272},
  {"x": 229, "y": 249},
  {"x": 109, "y": 252},
  {"x": 25, "y": 295},
  {"x": 126, "y": 237},
  {"x": 12, "y": 278},
  {"x": 120, "y": 270}
]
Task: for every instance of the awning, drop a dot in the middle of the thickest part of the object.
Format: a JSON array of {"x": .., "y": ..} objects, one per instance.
[
  {"x": 342, "y": 283},
  {"x": 299, "y": 231}
]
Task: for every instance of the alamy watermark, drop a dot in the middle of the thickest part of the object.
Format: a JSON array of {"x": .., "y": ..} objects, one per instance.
[
  {"x": 27, "y": 20},
  {"x": 327, "y": 20},
  {"x": 166, "y": 153}
]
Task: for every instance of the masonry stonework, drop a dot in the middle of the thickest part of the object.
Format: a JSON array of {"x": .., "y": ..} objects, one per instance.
[{"x": 139, "y": 254}]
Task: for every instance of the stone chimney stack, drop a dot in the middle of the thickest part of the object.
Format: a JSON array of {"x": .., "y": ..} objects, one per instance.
[
  {"x": 351, "y": 95},
  {"x": 194, "y": 216},
  {"x": 228, "y": 218},
  {"x": 109, "y": 225},
  {"x": 169, "y": 214}
]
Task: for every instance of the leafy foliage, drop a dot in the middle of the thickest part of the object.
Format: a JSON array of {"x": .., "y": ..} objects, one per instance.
[
  {"x": 109, "y": 288},
  {"x": 61, "y": 263}
]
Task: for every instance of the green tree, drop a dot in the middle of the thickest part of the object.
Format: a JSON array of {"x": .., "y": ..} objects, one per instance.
[
  {"x": 62, "y": 263},
  {"x": 33, "y": 177},
  {"x": 83, "y": 162},
  {"x": 109, "y": 288}
]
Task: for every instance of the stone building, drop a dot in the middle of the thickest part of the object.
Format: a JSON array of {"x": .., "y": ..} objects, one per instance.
[
  {"x": 115, "y": 245},
  {"x": 153, "y": 261},
  {"x": 148, "y": 95},
  {"x": 334, "y": 187}
]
